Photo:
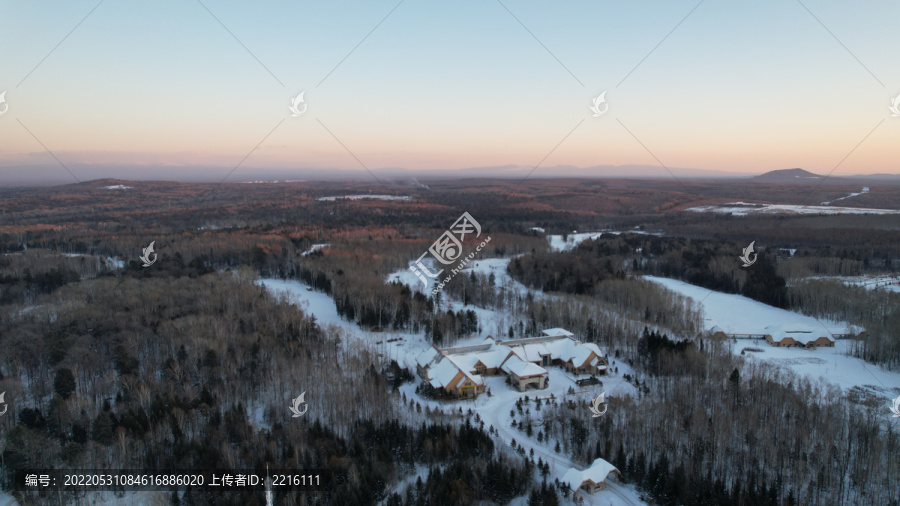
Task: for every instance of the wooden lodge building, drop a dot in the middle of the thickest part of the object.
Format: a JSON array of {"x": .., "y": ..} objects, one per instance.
[
  {"x": 798, "y": 335},
  {"x": 460, "y": 370},
  {"x": 592, "y": 479},
  {"x": 792, "y": 334}
]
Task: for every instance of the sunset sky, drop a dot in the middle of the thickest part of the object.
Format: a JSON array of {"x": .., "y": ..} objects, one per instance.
[{"x": 745, "y": 87}]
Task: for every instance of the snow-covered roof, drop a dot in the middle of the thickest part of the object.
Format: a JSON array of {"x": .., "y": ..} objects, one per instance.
[
  {"x": 427, "y": 357},
  {"x": 798, "y": 332},
  {"x": 562, "y": 348},
  {"x": 488, "y": 353},
  {"x": 531, "y": 352},
  {"x": 521, "y": 368},
  {"x": 593, "y": 347},
  {"x": 516, "y": 356},
  {"x": 445, "y": 368},
  {"x": 442, "y": 374},
  {"x": 597, "y": 473},
  {"x": 568, "y": 349},
  {"x": 494, "y": 357}
]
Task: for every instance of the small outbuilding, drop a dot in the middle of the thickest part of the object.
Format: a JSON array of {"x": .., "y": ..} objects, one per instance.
[{"x": 593, "y": 478}]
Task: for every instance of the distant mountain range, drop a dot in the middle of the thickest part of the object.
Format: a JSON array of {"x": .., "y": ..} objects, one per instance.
[
  {"x": 35, "y": 176},
  {"x": 800, "y": 176}
]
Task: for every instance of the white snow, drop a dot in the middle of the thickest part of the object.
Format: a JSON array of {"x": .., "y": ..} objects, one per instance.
[
  {"x": 736, "y": 314},
  {"x": 889, "y": 282},
  {"x": 360, "y": 197},
  {"x": 558, "y": 332},
  {"x": 408, "y": 479},
  {"x": 864, "y": 190},
  {"x": 114, "y": 263},
  {"x": 425, "y": 284},
  {"x": 558, "y": 243},
  {"x": 502, "y": 279},
  {"x": 745, "y": 208},
  {"x": 315, "y": 303},
  {"x": 404, "y": 350},
  {"x": 314, "y": 247},
  {"x": 521, "y": 368}
]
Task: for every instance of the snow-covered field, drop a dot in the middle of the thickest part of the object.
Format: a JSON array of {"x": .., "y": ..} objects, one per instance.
[
  {"x": 745, "y": 208},
  {"x": 359, "y": 197},
  {"x": 736, "y": 314}
]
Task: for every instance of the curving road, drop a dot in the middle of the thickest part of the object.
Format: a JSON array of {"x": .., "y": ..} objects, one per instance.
[{"x": 495, "y": 411}]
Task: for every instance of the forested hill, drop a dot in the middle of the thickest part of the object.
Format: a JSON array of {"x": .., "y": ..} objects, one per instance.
[{"x": 166, "y": 371}]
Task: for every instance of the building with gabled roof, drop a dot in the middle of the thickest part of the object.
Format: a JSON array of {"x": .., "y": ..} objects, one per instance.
[
  {"x": 559, "y": 347},
  {"x": 523, "y": 374},
  {"x": 798, "y": 335},
  {"x": 459, "y": 370},
  {"x": 591, "y": 479},
  {"x": 448, "y": 376},
  {"x": 558, "y": 332}
]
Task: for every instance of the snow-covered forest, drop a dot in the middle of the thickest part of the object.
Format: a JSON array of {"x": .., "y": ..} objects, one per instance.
[{"x": 194, "y": 361}]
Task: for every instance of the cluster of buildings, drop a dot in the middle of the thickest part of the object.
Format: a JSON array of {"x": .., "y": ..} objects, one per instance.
[
  {"x": 460, "y": 371},
  {"x": 793, "y": 334},
  {"x": 798, "y": 335}
]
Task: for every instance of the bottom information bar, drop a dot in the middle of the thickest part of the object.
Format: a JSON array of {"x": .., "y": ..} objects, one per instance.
[{"x": 171, "y": 479}]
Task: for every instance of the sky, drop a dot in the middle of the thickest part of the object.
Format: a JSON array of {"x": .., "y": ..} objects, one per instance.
[{"x": 132, "y": 88}]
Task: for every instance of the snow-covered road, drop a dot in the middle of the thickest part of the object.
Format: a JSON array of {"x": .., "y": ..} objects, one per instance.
[{"x": 496, "y": 413}]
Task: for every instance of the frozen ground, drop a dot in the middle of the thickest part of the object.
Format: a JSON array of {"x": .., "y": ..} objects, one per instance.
[
  {"x": 745, "y": 208},
  {"x": 736, "y": 314},
  {"x": 359, "y": 197}
]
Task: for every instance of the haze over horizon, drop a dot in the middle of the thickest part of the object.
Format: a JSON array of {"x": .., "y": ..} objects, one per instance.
[{"x": 196, "y": 90}]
